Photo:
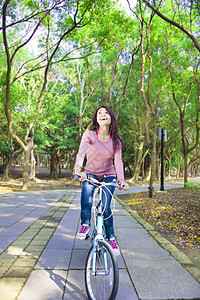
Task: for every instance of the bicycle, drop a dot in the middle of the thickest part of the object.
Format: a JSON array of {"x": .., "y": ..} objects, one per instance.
[{"x": 101, "y": 268}]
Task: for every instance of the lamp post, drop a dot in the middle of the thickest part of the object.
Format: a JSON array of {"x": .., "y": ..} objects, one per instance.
[{"x": 162, "y": 137}]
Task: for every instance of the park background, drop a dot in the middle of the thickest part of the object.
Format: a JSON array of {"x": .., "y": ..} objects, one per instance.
[{"x": 62, "y": 59}]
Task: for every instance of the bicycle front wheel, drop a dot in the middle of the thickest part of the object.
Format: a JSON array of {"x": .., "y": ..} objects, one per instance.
[{"x": 101, "y": 273}]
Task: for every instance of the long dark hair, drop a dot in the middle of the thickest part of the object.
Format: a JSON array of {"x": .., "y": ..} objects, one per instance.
[{"x": 117, "y": 141}]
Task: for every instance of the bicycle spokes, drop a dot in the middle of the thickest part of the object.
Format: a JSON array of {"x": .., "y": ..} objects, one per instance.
[{"x": 101, "y": 280}]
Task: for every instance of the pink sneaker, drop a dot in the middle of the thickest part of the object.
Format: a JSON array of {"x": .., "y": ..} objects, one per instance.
[
  {"x": 114, "y": 245},
  {"x": 81, "y": 235}
]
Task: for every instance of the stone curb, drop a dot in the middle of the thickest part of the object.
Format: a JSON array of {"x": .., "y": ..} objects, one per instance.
[{"x": 177, "y": 254}]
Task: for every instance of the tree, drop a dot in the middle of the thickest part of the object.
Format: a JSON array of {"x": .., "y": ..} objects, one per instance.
[
  {"x": 42, "y": 16},
  {"x": 163, "y": 46},
  {"x": 144, "y": 30},
  {"x": 185, "y": 134}
]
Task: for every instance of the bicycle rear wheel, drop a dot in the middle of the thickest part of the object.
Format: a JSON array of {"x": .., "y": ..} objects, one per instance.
[{"x": 104, "y": 283}]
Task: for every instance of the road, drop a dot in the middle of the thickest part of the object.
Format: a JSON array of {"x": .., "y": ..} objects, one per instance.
[{"x": 143, "y": 187}]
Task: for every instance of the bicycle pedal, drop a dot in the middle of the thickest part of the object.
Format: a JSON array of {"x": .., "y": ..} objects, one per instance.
[{"x": 87, "y": 236}]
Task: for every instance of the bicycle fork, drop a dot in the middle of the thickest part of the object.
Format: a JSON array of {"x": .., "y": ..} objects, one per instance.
[
  {"x": 97, "y": 252},
  {"x": 99, "y": 236}
]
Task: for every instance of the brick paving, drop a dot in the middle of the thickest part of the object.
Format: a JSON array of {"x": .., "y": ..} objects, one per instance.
[{"x": 40, "y": 258}]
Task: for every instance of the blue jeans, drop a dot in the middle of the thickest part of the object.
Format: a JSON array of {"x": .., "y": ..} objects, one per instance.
[{"x": 86, "y": 204}]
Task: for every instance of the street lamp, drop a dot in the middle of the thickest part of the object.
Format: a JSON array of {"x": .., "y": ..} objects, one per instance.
[{"x": 162, "y": 137}]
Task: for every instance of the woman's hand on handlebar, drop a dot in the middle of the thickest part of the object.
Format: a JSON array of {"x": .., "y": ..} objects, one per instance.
[
  {"x": 124, "y": 184},
  {"x": 77, "y": 171},
  {"x": 82, "y": 175}
]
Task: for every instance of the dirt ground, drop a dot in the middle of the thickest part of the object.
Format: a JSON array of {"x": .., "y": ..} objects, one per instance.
[
  {"x": 42, "y": 181},
  {"x": 175, "y": 214},
  {"x": 15, "y": 185}
]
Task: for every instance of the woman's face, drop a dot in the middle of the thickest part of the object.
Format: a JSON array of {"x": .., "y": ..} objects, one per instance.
[{"x": 103, "y": 117}]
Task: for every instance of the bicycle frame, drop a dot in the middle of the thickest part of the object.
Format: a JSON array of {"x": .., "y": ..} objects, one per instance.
[
  {"x": 98, "y": 234},
  {"x": 101, "y": 268},
  {"x": 99, "y": 231}
]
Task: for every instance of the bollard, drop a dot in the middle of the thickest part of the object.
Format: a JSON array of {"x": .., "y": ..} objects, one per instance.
[{"x": 150, "y": 191}]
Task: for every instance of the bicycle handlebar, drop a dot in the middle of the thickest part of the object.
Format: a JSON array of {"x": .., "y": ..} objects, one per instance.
[{"x": 95, "y": 181}]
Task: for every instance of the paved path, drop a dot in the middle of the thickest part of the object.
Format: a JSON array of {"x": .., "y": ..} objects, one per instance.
[
  {"x": 41, "y": 259},
  {"x": 143, "y": 187}
]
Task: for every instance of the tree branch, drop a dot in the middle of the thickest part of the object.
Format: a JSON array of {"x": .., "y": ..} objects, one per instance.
[
  {"x": 127, "y": 78},
  {"x": 34, "y": 31},
  {"x": 181, "y": 27}
]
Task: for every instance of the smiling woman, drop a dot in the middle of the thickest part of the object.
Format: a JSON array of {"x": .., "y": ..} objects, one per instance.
[
  {"x": 104, "y": 120},
  {"x": 100, "y": 145}
]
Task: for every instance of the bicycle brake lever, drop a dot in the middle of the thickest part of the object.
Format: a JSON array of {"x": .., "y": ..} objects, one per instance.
[{"x": 75, "y": 176}]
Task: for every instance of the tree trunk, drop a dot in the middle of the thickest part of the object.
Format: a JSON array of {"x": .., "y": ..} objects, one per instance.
[
  {"x": 143, "y": 171},
  {"x": 53, "y": 166},
  {"x": 32, "y": 166},
  {"x": 12, "y": 157},
  {"x": 148, "y": 174},
  {"x": 169, "y": 169},
  {"x": 33, "y": 161},
  {"x": 153, "y": 153},
  {"x": 129, "y": 169},
  {"x": 59, "y": 168},
  {"x": 177, "y": 172},
  {"x": 197, "y": 168},
  {"x": 185, "y": 169},
  {"x": 138, "y": 161},
  {"x": 143, "y": 163},
  {"x": 158, "y": 168},
  {"x": 38, "y": 160},
  {"x": 26, "y": 168}
]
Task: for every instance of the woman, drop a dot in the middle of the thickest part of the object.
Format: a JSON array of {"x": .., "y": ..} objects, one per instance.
[{"x": 100, "y": 145}]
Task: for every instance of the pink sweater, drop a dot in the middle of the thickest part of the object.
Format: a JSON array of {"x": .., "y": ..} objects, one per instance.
[{"x": 99, "y": 156}]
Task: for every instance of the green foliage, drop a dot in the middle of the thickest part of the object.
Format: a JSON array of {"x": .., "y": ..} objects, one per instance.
[
  {"x": 91, "y": 66},
  {"x": 192, "y": 184}
]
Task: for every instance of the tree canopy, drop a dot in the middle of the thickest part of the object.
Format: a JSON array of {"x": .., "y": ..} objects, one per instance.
[{"x": 61, "y": 59}]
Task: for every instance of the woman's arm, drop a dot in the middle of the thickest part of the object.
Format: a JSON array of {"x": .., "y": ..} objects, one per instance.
[
  {"x": 81, "y": 155},
  {"x": 119, "y": 168},
  {"x": 77, "y": 171}
]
